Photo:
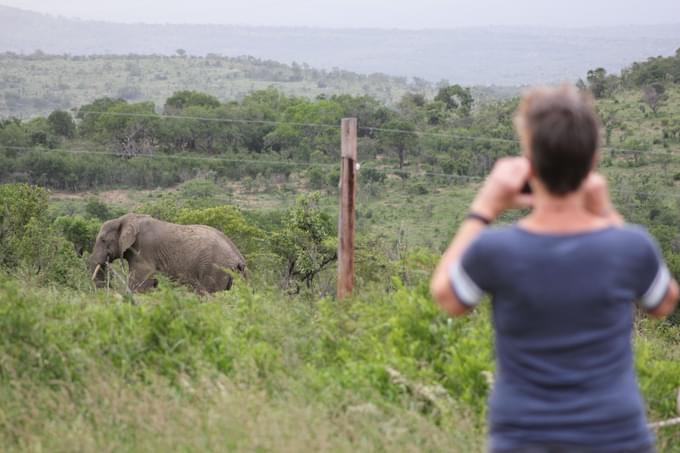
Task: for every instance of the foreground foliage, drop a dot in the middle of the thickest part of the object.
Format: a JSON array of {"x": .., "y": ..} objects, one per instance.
[{"x": 256, "y": 369}]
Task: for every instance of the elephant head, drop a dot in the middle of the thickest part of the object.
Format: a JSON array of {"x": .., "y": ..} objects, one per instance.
[{"x": 115, "y": 238}]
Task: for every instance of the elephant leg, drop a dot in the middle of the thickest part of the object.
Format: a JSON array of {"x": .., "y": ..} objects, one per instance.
[
  {"x": 147, "y": 284},
  {"x": 139, "y": 279},
  {"x": 198, "y": 286},
  {"x": 223, "y": 280},
  {"x": 216, "y": 278}
]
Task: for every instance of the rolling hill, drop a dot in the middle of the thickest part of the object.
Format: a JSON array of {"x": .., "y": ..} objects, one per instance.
[{"x": 469, "y": 56}]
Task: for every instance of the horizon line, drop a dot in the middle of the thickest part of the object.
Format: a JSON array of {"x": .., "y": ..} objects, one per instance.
[{"x": 349, "y": 27}]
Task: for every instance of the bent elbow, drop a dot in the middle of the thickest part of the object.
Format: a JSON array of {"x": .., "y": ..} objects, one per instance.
[
  {"x": 446, "y": 299},
  {"x": 667, "y": 306}
]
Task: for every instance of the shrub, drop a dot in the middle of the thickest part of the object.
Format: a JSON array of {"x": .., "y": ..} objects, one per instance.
[
  {"x": 19, "y": 204},
  {"x": 98, "y": 210},
  {"x": 371, "y": 175},
  {"x": 80, "y": 231},
  {"x": 317, "y": 178},
  {"x": 48, "y": 258},
  {"x": 199, "y": 188},
  {"x": 306, "y": 243},
  {"x": 418, "y": 189},
  {"x": 29, "y": 243},
  {"x": 167, "y": 208}
]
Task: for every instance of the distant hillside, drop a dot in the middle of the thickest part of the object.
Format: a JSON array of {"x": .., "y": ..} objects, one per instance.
[
  {"x": 38, "y": 84},
  {"x": 470, "y": 56}
]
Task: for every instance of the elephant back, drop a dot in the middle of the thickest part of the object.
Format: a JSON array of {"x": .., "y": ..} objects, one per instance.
[{"x": 228, "y": 251}]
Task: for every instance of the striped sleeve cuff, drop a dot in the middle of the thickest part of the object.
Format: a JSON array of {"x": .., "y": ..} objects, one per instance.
[
  {"x": 657, "y": 291},
  {"x": 463, "y": 287}
]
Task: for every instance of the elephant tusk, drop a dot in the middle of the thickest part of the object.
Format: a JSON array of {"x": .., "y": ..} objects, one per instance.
[{"x": 96, "y": 270}]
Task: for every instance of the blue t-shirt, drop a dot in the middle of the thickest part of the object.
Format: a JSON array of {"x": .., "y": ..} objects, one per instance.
[{"x": 563, "y": 318}]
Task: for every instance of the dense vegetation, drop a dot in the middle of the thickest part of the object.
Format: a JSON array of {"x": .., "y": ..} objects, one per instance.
[
  {"x": 277, "y": 363},
  {"x": 265, "y": 125}
]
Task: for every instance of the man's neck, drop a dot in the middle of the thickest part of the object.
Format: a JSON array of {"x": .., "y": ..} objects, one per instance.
[{"x": 561, "y": 214}]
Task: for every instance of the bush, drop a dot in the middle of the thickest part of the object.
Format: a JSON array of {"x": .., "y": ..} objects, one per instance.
[
  {"x": 98, "y": 210},
  {"x": 167, "y": 208},
  {"x": 306, "y": 243},
  {"x": 199, "y": 188},
  {"x": 317, "y": 178},
  {"x": 372, "y": 176},
  {"x": 29, "y": 243},
  {"x": 418, "y": 189},
  {"x": 19, "y": 204},
  {"x": 48, "y": 258},
  {"x": 80, "y": 231}
]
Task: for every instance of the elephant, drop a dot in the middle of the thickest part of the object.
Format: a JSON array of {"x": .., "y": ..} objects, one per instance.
[{"x": 198, "y": 256}]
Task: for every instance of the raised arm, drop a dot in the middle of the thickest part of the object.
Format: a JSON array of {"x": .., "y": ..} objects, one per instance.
[
  {"x": 599, "y": 202},
  {"x": 500, "y": 191}
]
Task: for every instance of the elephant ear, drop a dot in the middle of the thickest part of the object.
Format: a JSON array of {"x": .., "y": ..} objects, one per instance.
[{"x": 128, "y": 236}]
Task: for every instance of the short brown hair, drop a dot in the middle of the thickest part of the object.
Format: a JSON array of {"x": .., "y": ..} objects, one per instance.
[{"x": 562, "y": 131}]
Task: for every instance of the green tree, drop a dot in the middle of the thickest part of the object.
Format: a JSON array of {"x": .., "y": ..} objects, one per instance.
[
  {"x": 307, "y": 241},
  {"x": 600, "y": 83},
  {"x": 131, "y": 128},
  {"x": 89, "y": 114},
  {"x": 435, "y": 113},
  {"x": 98, "y": 210},
  {"x": 456, "y": 98},
  {"x": 368, "y": 111},
  {"x": 13, "y": 136},
  {"x": 62, "y": 123},
  {"x": 398, "y": 137},
  {"x": 183, "y": 99},
  {"x": 40, "y": 133}
]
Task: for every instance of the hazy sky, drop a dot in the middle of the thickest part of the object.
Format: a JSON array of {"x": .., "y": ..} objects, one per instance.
[{"x": 367, "y": 13}]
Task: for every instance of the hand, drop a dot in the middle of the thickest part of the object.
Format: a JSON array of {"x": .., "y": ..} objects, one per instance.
[
  {"x": 502, "y": 188},
  {"x": 596, "y": 194},
  {"x": 597, "y": 200}
]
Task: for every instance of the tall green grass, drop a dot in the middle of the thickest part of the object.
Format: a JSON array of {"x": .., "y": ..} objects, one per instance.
[{"x": 257, "y": 370}]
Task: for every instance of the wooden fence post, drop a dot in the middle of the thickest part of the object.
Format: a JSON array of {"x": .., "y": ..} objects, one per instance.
[{"x": 347, "y": 204}]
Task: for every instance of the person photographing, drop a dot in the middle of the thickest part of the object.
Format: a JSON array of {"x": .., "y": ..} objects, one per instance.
[{"x": 562, "y": 281}]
